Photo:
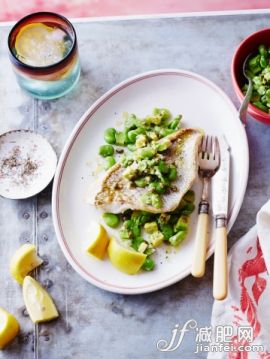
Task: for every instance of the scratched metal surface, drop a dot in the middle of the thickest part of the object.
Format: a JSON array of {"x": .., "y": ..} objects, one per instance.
[{"x": 95, "y": 323}]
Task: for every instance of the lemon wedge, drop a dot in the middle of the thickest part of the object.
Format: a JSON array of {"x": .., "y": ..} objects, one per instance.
[
  {"x": 40, "y": 45},
  {"x": 100, "y": 240},
  {"x": 9, "y": 327},
  {"x": 38, "y": 302},
  {"x": 125, "y": 259},
  {"x": 24, "y": 261}
]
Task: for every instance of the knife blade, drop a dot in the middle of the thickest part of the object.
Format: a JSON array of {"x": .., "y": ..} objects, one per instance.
[
  {"x": 220, "y": 183},
  {"x": 220, "y": 200}
]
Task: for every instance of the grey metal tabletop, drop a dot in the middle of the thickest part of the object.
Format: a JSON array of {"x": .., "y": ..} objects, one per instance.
[{"x": 95, "y": 323}]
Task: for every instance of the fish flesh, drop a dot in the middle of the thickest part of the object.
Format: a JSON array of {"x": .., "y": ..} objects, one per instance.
[{"x": 115, "y": 195}]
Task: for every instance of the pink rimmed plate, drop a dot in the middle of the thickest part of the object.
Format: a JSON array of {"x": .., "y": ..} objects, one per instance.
[{"x": 203, "y": 105}]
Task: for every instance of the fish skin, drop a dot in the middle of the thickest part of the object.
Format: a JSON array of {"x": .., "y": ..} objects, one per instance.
[{"x": 115, "y": 196}]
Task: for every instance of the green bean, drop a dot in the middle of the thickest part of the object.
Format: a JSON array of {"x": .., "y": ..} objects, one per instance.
[
  {"x": 127, "y": 160},
  {"x": 144, "y": 217},
  {"x": 120, "y": 138},
  {"x": 175, "y": 123},
  {"x": 156, "y": 200},
  {"x": 256, "y": 69},
  {"x": 182, "y": 204},
  {"x": 267, "y": 93},
  {"x": 136, "y": 230},
  {"x": 182, "y": 223},
  {"x": 106, "y": 150},
  {"x": 262, "y": 50},
  {"x": 173, "y": 219},
  {"x": 135, "y": 215},
  {"x": 162, "y": 112},
  {"x": 131, "y": 122},
  {"x": 264, "y": 99},
  {"x": 136, "y": 242},
  {"x": 151, "y": 135},
  {"x": 165, "y": 181},
  {"x": 163, "y": 145},
  {"x": 111, "y": 219},
  {"x": 124, "y": 233},
  {"x": 173, "y": 173},
  {"x": 109, "y": 162},
  {"x": 141, "y": 182},
  {"x": 260, "y": 106},
  {"x": 148, "y": 264},
  {"x": 157, "y": 129},
  {"x": 132, "y": 135},
  {"x": 149, "y": 251},
  {"x": 263, "y": 62},
  {"x": 126, "y": 139},
  {"x": 157, "y": 187},
  {"x": 254, "y": 61},
  {"x": 149, "y": 121},
  {"x": 189, "y": 196},
  {"x": 163, "y": 167},
  {"x": 167, "y": 231},
  {"x": 176, "y": 239},
  {"x": 164, "y": 218},
  {"x": 166, "y": 132},
  {"x": 146, "y": 152},
  {"x": 141, "y": 141},
  {"x": 128, "y": 224},
  {"x": 261, "y": 90},
  {"x": 188, "y": 209},
  {"x": 151, "y": 199},
  {"x": 109, "y": 135},
  {"x": 131, "y": 147}
]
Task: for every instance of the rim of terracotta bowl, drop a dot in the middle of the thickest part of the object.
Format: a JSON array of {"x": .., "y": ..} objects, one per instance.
[{"x": 255, "y": 112}]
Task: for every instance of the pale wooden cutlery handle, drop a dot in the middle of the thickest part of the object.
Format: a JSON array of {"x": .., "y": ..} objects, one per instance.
[
  {"x": 220, "y": 287},
  {"x": 201, "y": 241}
]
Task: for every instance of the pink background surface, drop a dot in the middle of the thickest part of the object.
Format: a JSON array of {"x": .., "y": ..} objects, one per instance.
[{"x": 14, "y": 9}]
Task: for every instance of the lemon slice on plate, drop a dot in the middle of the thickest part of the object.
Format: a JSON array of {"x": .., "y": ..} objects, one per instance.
[
  {"x": 40, "y": 45},
  {"x": 9, "y": 327},
  {"x": 38, "y": 301},
  {"x": 125, "y": 259},
  {"x": 24, "y": 261},
  {"x": 100, "y": 240}
]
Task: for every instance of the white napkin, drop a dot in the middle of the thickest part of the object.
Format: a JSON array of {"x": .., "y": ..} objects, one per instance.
[{"x": 243, "y": 319}]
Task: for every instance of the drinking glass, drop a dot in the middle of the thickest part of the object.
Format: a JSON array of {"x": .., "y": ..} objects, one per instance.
[{"x": 44, "y": 53}]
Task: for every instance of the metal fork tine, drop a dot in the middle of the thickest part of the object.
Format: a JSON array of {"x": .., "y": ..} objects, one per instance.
[
  {"x": 204, "y": 144},
  {"x": 216, "y": 150},
  {"x": 214, "y": 145},
  {"x": 209, "y": 146}
]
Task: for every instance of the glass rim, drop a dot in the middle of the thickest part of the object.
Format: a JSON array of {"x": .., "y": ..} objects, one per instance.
[{"x": 48, "y": 67}]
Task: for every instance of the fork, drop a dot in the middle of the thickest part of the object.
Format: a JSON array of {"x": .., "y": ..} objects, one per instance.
[{"x": 209, "y": 160}]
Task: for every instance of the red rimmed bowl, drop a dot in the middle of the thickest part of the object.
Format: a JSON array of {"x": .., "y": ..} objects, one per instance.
[{"x": 247, "y": 46}]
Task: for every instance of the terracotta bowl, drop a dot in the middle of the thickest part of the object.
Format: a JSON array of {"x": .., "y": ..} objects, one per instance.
[{"x": 247, "y": 46}]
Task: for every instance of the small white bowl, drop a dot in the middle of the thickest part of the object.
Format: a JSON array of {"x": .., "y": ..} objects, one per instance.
[{"x": 27, "y": 164}]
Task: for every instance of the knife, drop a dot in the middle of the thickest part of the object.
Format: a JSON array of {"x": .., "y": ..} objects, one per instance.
[{"x": 220, "y": 199}]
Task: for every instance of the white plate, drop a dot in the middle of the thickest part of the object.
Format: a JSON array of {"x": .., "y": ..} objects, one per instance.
[
  {"x": 203, "y": 105},
  {"x": 27, "y": 164}
]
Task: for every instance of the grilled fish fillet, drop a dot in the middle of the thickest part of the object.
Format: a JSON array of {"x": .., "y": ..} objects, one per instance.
[{"x": 116, "y": 196}]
